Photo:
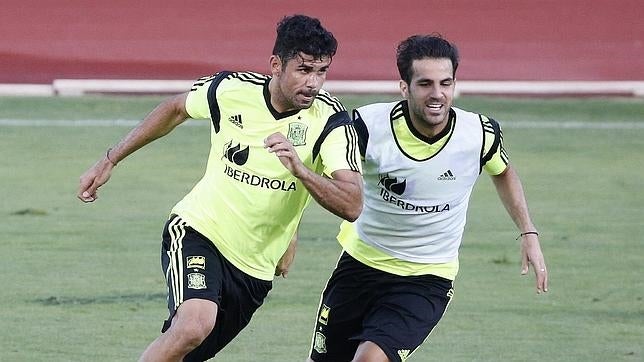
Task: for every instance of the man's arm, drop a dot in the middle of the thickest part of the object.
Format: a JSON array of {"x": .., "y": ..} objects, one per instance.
[
  {"x": 287, "y": 258},
  {"x": 163, "y": 119},
  {"x": 341, "y": 194},
  {"x": 508, "y": 186}
]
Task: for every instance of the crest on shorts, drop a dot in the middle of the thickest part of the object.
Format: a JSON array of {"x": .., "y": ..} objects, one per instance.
[
  {"x": 196, "y": 262},
  {"x": 324, "y": 315},
  {"x": 403, "y": 354},
  {"x": 196, "y": 281},
  {"x": 297, "y": 133},
  {"x": 320, "y": 343}
]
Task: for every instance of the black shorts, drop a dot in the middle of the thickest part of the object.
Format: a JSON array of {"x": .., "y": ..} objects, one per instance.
[
  {"x": 361, "y": 303},
  {"x": 194, "y": 268}
]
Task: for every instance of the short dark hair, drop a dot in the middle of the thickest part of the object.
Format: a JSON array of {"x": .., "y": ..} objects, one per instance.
[
  {"x": 417, "y": 47},
  {"x": 301, "y": 33}
]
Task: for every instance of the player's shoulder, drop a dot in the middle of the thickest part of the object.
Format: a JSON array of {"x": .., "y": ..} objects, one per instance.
[
  {"x": 325, "y": 103},
  {"x": 466, "y": 114},
  {"x": 244, "y": 79},
  {"x": 380, "y": 107},
  {"x": 375, "y": 112},
  {"x": 250, "y": 77},
  {"x": 473, "y": 117},
  {"x": 226, "y": 80}
]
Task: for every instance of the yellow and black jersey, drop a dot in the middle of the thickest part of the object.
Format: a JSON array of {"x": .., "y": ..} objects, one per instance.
[{"x": 247, "y": 203}]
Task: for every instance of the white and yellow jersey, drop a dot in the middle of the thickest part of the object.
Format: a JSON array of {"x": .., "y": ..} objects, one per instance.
[
  {"x": 247, "y": 203},
  {"x": 417, "y": 189}
]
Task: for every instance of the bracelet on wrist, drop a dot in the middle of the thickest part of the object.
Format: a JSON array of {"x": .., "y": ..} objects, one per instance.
[
  {"x": 527, "y": 233},
  {"x": 107, "y": 156}
]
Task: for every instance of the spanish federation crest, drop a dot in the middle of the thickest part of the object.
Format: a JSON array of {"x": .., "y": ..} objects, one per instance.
[
  {"x": 196, "y": 281},
  {"x": 320, "y": 343},
  {"x": 297, "y": 133}
]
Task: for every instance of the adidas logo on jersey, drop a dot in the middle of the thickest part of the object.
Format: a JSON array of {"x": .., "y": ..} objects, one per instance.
[
  {"x": 447, "y": 176},
  {"x": 236, "y": 120}
]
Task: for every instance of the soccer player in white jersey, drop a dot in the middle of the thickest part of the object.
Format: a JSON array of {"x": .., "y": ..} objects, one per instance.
[
  {"x": 421, "y": 158},
  {"x": 276, "y": 141}
]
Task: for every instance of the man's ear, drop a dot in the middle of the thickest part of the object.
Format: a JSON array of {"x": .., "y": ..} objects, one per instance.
[
  {"x": 404, "y": 89},
  {"x": 276, "y": 65}
]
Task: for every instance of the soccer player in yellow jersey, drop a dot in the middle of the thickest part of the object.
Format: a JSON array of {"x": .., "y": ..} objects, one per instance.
[
  {"x": 421, "y": 159},
  {"x": 276, "y": 141}
]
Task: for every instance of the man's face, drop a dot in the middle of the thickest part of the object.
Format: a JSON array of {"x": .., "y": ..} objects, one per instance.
[
  {"x": 298, "y": 81},
  {"x": 430, "y": 94}
]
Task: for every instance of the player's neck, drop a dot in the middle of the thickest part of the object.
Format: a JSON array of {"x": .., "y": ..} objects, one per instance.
[
  {"x": 429, "y": 130},
  {"x": 277, "y": 99}
]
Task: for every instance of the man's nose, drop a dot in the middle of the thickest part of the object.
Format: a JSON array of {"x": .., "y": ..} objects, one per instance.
[
  {"x": 435, "y": 91},
  {"x": 313, "y": 81}
]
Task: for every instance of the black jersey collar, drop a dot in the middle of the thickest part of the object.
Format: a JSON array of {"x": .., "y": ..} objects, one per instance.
[{"x": 444, "y": 132}]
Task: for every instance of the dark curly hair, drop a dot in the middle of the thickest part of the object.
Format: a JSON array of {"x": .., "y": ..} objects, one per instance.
[
  {"x": 417, "y": 47},
  {"x": 300, "y": 33}
]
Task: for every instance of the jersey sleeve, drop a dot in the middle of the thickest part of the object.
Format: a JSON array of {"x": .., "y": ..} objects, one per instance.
[
  {"x": 197, "y": 100},
  {"x": 495, "y": 159},
  {"x": 339, "y": 150}
]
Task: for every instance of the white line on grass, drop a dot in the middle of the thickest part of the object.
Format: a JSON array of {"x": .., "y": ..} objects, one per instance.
[
  {"x": 573, "y": 125},
  {"x": 67, "y": 123},
  {"x": 132, "y": 123}
]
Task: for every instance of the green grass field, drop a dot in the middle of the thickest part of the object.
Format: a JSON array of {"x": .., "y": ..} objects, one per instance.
[{"x": 83, "y": 282}]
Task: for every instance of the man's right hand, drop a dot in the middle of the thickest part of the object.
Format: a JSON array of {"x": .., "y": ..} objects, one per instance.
[{"x": 94, "y": 178}]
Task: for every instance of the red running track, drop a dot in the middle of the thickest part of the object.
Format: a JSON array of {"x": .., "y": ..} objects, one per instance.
[{"x": 41, "y": 40}]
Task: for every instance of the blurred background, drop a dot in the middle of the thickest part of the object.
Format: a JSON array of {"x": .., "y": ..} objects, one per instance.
[{"x": 543, "y": 40}]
